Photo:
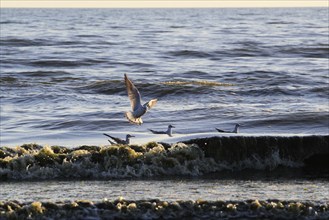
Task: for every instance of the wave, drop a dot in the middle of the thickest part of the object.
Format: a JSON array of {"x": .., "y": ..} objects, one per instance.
[
  {"x": 12, "y": 22},
  {"x": 190, "y": 54},
  {"x": 283, "y": 150},
  {"x": 293, "y": 119},
  {"x": 36, "y": 162},
  {"x": 19, "y": 42},
  {"x": 178, "y": 87},
  {"x": 66, "y": 63},
  {"x": 43, "y": 73},
  {"x": 160, "y": 89},
  {"x": 8, "y": 80},
  {"x": 72, "y": 62},
  {"x": 59, "y": 63},
  {"x": 255, "y": 49},
  {"x": 310, "y": 51},
  {"x": 177, "y": 26},
  {"x": 42, "y": 42},
  {"x": 88, "y": 36},
  {"x": 280, "y": 22},
  {"x": 193, "y": 158},
  {"x": 158, "y": 209},
  {"x": 199, "y": 83},
  {"x": 240, "y": 49},
  {"x": 104, "y": 87}
]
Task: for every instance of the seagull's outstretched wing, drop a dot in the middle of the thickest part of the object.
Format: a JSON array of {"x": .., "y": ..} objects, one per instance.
[
  {"x": 133, "y": 94},
  {"x": 118, "y": 140},
  {"x": 152, "y": 103}
]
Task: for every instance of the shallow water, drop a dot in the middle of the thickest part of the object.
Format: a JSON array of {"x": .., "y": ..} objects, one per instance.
[{"x": 168, "y": 190}]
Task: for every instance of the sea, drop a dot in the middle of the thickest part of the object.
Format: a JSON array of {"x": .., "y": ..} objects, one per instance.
[{"x": 62, "y": 86}]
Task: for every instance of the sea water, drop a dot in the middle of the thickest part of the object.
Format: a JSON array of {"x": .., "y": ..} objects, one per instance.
[{"x": 62, "y": 84}]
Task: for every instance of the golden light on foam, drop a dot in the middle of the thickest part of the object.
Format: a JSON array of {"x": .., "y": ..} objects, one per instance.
[
  {"x": 201, "y": 83},
  {"x": 160, "y": 3}
]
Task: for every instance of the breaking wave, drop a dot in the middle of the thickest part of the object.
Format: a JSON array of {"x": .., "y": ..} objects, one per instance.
[
  {"x": 37, "y": 162},
  {"x": 196, "y": 158},
  {"x": 174, "y": 87}
]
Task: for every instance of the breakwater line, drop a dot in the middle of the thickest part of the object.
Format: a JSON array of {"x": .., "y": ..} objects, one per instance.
[
  {"x": 193, "y": 158},
  {"x": 311, "y": 151}
]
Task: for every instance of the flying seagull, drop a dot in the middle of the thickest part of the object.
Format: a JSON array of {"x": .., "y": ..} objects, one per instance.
[
  {"x": 235, "y": 130},
  {"x": 168, "y": 132},
  {"x": 119, "y": 140},
  {"x": 138, "y": 109}
]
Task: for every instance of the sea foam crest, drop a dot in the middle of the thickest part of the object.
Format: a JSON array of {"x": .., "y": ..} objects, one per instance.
[
  {"x": 271, "y": 162},
  {"x": 121, "y": 161}
]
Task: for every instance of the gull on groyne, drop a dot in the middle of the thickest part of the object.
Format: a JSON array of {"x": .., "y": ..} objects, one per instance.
[
  {"x": 119, "y": 140},
  {"x": 235, "y": 130},
  {"x": 168, "y": 132},
  {"x": 138, "y": 110}
]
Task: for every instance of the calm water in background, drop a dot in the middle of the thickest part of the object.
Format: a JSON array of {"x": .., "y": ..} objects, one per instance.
[
  {"x": 62, "y": 82},
  {"x": 62, "y": 71}
]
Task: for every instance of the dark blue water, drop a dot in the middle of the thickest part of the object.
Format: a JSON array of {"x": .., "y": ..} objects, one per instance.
[
  {"x": 62, "y": 71},
  {"x": 62, "y": 84}
]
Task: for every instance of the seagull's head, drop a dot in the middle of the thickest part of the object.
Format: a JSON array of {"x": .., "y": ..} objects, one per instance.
[
  {"x": 129, "y": 136},
  {"x": 171, "y": 126}
]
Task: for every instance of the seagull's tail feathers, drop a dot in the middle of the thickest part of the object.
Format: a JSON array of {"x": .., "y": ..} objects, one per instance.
[
  {"x": 132, "y": 119},
  {"x": 157, "y": 132},
  {"x": 219, "y": 130},
  {"x": 112, "y": 142},
  {"x": 153, "y": 131},
  {"x": 108, "y": 135}
]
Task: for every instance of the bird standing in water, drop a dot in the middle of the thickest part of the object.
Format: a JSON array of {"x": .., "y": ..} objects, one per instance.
[
  {"x": 138, "y": 110},
  {"x": 236, "y": 129},
  {"x": 168, "y": 132},
  {"x": 119, "y": 140}
]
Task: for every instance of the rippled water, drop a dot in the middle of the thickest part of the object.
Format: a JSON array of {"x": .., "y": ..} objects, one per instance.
[
  {"x": 62, "y": 84},
  {"x": 62, "y": 71},
  {"x": 184, "y": 189}
]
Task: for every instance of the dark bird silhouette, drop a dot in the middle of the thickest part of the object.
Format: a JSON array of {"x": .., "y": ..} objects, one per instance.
[
  {"x": 235, "y": 130},
  {"x": 119, "y": 140},
  {"x": 168, "y": 132}
]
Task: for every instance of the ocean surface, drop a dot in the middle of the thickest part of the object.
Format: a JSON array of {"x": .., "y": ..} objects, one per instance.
[{"x": 62, "y": 84}]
